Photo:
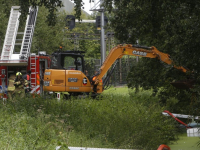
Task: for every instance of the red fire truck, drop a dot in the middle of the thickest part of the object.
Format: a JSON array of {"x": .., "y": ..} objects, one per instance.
[{"x": 36, "y": 63}]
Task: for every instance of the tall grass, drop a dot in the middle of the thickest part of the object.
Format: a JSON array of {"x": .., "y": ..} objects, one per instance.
[
  {"x": 25, "y": 125},
  {"x": 120, "y": 119}
]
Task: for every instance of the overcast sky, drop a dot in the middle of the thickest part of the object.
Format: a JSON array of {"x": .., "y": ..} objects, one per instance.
[{"x": 87, "y": 6}]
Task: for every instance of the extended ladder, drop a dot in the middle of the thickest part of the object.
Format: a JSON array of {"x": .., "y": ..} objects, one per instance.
[
  {"x": 33, "y": 76},
  {"x": 11, "y": 33},
  {"x": 28, "y": 33}
]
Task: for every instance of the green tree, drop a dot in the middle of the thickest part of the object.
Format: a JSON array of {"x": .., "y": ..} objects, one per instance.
[
  {"x": 48, "y": 38},
  {"x": 3, "y": 27},
  {"x": 171, "y": 26},
  {"x": 51, "y": 6}
]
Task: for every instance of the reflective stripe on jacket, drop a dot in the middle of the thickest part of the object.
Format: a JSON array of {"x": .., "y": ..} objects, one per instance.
[{"x": 11, "y": 81}]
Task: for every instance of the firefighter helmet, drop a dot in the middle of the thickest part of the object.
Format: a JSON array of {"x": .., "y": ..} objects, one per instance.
[{"x": 18, "y": 74}]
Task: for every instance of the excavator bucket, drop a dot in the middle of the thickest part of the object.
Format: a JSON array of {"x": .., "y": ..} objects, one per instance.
[{"x": 183, "y": 84}]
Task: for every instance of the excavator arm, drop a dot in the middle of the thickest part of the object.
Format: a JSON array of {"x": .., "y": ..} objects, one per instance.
[{"x": 134, "y": 50}]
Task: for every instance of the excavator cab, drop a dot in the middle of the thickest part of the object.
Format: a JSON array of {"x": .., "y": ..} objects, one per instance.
[{"x": 68, "y": 60}]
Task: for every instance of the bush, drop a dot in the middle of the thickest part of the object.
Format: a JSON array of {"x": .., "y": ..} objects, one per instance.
[{"x": 123, "y": 121}]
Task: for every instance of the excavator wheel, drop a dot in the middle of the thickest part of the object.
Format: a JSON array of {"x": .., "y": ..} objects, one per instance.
[{"x": 184, "y": 84}]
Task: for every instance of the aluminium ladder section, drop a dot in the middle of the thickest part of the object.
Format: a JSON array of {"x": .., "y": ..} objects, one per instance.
[
  {"x": 28, "y": 33},
  {"x": 33, "y": 76},
  {"x": 11, "y": 33}
]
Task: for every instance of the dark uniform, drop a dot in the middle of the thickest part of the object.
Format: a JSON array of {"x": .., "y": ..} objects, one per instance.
[{"x": 27, "y": 82}]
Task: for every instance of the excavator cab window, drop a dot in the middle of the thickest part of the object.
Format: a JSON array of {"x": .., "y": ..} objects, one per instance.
[
  {"x": 68, "y": 63},
  {"x": 72, "y": 62},
  {"x": 69, "y": 60}
]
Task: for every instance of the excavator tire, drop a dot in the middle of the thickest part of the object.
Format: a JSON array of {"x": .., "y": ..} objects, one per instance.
[{"x": 184, "y": 84}]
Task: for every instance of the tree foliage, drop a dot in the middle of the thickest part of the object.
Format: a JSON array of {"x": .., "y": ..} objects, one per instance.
[
  {"x": 171, "y": 26},
  {"x": 51, "y": 6},
  {"x": 78, "y": 6},
  {"x": 83, "y": 39},
  {"x": 48, "y": 38}
]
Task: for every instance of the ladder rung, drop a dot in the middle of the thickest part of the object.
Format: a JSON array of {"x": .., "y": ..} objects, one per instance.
[{"x": 14, "y": 17}]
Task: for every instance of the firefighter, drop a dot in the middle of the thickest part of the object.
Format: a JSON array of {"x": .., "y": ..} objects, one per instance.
[
  {"x": 11, "y": 87},
  {"x": 27, "y": 81},
  {"x": 19, "y": 85}
]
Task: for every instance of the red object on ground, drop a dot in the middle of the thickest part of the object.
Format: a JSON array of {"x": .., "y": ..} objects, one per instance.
[
  {"x": 164, "y": 147},
  {"x": 177, "y": 119}
]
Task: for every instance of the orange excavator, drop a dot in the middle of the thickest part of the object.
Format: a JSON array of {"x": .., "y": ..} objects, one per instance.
[{"x": 67, "y": 69}]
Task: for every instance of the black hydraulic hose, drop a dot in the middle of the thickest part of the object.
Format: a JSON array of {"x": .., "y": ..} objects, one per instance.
[{"x": 106, "y": 80}]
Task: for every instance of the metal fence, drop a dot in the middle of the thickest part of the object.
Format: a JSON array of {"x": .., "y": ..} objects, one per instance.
[{"x": 120, "y": 72}]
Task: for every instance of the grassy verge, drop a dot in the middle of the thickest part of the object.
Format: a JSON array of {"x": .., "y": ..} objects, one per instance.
[
  {"x": 185, "y": 143},
  {"x": 116, "y": 121}
]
